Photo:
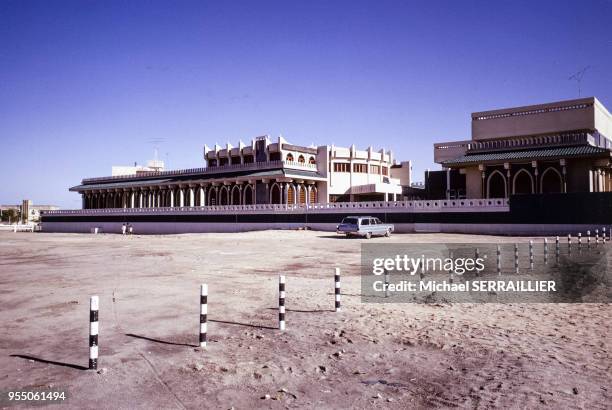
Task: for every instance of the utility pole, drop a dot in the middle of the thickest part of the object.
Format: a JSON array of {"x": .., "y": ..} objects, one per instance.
[{"x": 578, "y": 78}]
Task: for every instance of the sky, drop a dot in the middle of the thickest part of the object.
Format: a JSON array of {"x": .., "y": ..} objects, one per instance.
[{"x": 85, "y": 85}]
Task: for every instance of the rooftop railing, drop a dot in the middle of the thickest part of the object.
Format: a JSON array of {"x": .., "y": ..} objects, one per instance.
[
  {"x": 207, "y": 170},
  {"x": 408, "y": 206}
]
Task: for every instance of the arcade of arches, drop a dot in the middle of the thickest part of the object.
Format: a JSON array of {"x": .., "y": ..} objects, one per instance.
[{"x": 207, "y": 194}]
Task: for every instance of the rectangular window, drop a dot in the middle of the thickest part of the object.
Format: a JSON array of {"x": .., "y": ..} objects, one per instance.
[
  {"x": 361, "y": 168},
  {"x": 374, "y": 169},
  {"x": 341, "y": 167},
  {"x": 385, "y": 171}
]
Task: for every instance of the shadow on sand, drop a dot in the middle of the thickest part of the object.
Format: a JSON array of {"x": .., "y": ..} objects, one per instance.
[
  {"x": 39, "y": 360},
  {"x": 165, "y": 342},
  {"x": 242, "y": 324}
]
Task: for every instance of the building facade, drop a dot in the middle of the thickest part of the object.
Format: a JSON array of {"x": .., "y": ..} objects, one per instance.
[
  {"x": 262, "y": 172},
  {"x": 556, "y": 147}
]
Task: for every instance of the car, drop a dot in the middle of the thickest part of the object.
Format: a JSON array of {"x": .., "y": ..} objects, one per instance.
[{"x": 366, "y": 226}]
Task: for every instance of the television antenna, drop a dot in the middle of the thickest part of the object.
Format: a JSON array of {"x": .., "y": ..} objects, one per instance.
[
  {"x": 156, "y": 142},
  {"x": 578, "y": 77}
]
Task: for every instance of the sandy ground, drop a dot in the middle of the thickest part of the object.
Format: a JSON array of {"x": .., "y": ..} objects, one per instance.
[{"x": 367, "y": 356}]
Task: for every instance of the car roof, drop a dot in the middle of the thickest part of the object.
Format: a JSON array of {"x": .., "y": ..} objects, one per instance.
[{"x": 360, "y": 216}]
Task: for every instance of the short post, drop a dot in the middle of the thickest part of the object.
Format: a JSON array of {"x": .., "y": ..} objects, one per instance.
[
  {"x": 498, "y": 260},
  {"x": 596, "y": 237},
  {"x": 545, "y": 251},
  {"x": 530, "y": 254},
  {"x": 557, "y": 249},
  {"x": 281, "y": 302},
  {"x": 93, "y": 332},
  {"x": 516, "y": 258},
  {"x": 203, "y": 313},
  {"x": 603, "y": 234},
  {"x": 588, "y": 239},
  {"x": 569, "y": 243},
  {"x": 476, "y": 257},
  {"x": 579, "y": 240},
  {"x": 386, "y": 283},
  {"x": 450, "y": 271},
  {"x": 337, "y": 289}
]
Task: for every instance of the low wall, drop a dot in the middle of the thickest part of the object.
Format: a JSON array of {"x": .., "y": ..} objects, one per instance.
[{"x": 555, "y": 214}]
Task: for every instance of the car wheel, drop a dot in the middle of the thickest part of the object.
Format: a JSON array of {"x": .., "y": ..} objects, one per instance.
[
  {"x": 368, "y": 235},
  {"x": 388, "y": 233}
]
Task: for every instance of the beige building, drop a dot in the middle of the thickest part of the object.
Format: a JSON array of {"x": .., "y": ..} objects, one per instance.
[
  {"x": 265, "y": 171},
  {"x": 563, "y": 146}
]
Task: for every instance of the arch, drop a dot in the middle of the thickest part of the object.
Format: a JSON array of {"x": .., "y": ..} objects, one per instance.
[
  {"x": 301, "y": 195},
  {"x": 211, "y": 196},
  {"x": 551, "y": 181},
  {"x": 496, "y": 185},
  {"x": 236, "y": 195},
  {"x": 312, "y": 160},
  {"x": 301, "y": 159},
  {"x": 289, "y": 157},
  {"x": 313, "y": 194},
  {"x": 275, "y": 194},
  {"x": 523, "y": 182},
  {"x": 248, "y": 195},
  {"x": 291, "y": 196},
  {"x": 224, "y": 196}
]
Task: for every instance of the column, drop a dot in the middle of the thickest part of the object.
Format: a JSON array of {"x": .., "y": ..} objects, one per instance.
[
  {"x": 83, "y": 201},
  {"x": 132, "y": 199},
  {"x": 191, "y": 197},
  {"x": 181, "y": 197},
  {"x": 448, "y": 182}
]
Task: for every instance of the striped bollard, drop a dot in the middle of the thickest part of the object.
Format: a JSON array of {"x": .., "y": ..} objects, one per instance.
[
  {"x": 569, "y": 243},
  {"x": 557, "y": 249},
  {"x": 281, "y": 302},
  {"x": 498, "y": 260},
  {"x": 546, "y": 251},
  {"x": 588, "y": 239},
  {"x": 337, "y": 289},
  {"x": 476, "y": 257},
  {"x": 386, "y": 283},
  {"x": 596, "y": 237},
  {"x": 203, "y": 313},
  {"x": 450, "y": 271},
  {"x": 579, "y": 240},
  {"x": 530, "y": 254},
  {"x": 422, "y": 270},
  {"x": 603, "y": 235},
  {"x": 94, "y": 304},
  {"x": 516, "y": 258}
]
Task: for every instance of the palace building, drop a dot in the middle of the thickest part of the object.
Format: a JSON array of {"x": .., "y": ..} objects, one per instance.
[
  {"x": 556, "y": 147},
  {"x": 262, "y": 172}
]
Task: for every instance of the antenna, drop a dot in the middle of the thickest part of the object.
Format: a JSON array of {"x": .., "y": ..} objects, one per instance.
[
  {"x": 155, "y": 142},
  {"x": 578, "y": 77}
]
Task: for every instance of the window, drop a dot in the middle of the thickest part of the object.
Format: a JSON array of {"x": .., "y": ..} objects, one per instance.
[
  {"x": 374, "y": 169},
  {"x": 377, "y": 221},
  {"x": 248, "y": 159},
  {"x": 361, "y": 168},
  {"x": 385, "y": 171},
  {"x": 301, "y": 159},
  {"x": 311, "y": 160},
  {"x": 289, "y": 157},
  {"x": 365, "y": 221},
  {"x": 341, "y": 167}
]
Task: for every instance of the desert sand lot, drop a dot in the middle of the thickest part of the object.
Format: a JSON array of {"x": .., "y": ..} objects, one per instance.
[{"x": 367, "y": 356}]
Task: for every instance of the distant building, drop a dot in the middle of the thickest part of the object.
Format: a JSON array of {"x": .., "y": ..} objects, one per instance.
[
  {"x": 262, "y": 172},
  {"x": 28, "y": 211},
  {"x": 558, "y": 147}
]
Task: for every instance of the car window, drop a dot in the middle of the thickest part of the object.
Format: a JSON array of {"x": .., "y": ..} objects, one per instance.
[
  {"x": 378, "y": 221},
  {"x": 365, "y": 221},
  {"x": 352, "y": 221}
]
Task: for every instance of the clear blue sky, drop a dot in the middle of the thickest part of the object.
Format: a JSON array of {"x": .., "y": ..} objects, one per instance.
[{"x": 85, "y": 85}]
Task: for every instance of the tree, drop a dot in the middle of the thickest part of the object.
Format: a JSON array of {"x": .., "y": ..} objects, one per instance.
[{"x": 11, "y": 215}]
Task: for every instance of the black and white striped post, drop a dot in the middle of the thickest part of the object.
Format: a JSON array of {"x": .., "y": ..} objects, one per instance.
[
  {"x": 476, "y": 257},
  {"x": 94, "y": 304},
  {"x": 281, "y": 302},
  {"x": 588, "y": 239},
  {"x": 557, "y": 249},
  {"x": 530, "y": 254},
  {"x": 516, "y": 258},
  {"x": 450, "y": 271},
  {"x": 337, "y": 289},
  {"x": 569, "y": 243},
  {"x": 596, "y": 237},
  {"x": 498, "y": 260},
  {"x": 203, "y": 313},
  {"x": 386, "y": 283},
  {"x": 579, "y": 241},
  {"x": 546, "y": 251},
  {"x": 603, "y": 234}
]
